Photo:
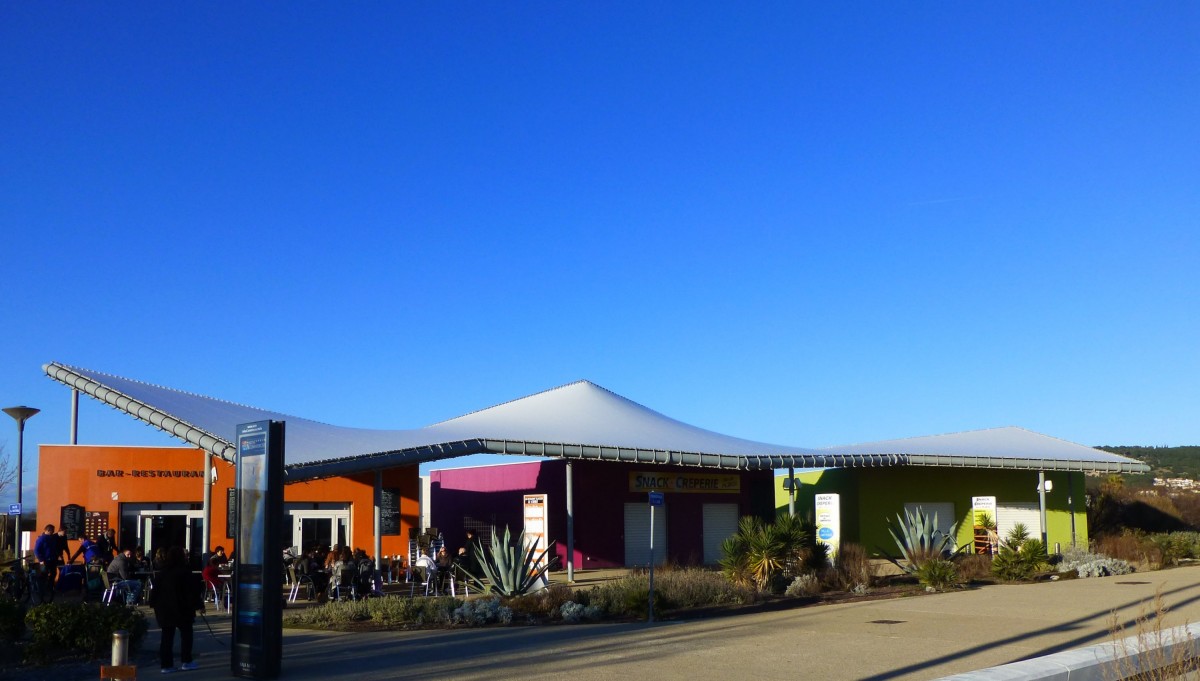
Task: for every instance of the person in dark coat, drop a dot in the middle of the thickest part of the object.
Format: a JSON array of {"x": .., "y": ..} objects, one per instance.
[{"x": 178, "y": 593}]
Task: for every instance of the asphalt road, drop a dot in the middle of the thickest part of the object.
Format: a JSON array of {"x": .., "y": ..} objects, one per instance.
[{"x": 921, "y": 637}]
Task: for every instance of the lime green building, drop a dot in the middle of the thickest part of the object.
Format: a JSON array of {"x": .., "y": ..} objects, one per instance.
[{"x": 999, "y": 470}]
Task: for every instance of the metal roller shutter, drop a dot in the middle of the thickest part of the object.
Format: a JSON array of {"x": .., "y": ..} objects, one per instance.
[
  {"x": 637, "y": 534},
  {"x": 720, "y": 523},
  {"x": 1009, "y": 513}
]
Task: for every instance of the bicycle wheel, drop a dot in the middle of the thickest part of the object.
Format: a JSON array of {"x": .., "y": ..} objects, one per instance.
[{"x": 13, "y": 586}]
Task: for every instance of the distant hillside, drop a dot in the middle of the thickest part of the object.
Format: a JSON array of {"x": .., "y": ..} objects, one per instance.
[{"x": 1166, "y": 462}]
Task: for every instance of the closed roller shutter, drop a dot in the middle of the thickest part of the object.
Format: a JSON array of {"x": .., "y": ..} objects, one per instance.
[
  {"x": 943, "y": 509},
  {"x": 637, "y": 534},
  {"x": 1009, "y": 513},
  {"x": 720, "y": 523}
]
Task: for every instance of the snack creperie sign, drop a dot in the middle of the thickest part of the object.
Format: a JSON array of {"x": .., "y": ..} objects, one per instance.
[{"x": 142, "y": 473}]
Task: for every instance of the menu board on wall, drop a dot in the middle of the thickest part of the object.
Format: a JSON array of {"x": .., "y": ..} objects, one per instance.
[
  {"x": 230, "y": 512},
  {"x": 95, "y": 523},
  {"x": 389, "y": 511},
  {"x": 70, "y": 519}
]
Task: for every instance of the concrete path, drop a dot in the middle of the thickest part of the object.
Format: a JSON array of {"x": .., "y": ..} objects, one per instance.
[{"x": 920, "y": 637}]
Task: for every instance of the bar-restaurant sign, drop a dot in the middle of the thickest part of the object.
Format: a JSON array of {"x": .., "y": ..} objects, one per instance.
[{"x": 684, "y": 482}]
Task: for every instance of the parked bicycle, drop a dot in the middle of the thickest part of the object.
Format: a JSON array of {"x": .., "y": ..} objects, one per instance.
[{"x": 26, "y": 581}]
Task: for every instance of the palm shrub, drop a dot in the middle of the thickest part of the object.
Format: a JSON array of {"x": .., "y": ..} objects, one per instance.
[
  {"x": 759, "y": 552},
  {"x": 512, "y": 568},
  {"x": 919, "y": 540},
  {"x": 1020, "y": 556}
]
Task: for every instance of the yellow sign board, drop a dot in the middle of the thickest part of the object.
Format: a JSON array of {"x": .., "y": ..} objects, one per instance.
[{"x": 707, "y": 483}]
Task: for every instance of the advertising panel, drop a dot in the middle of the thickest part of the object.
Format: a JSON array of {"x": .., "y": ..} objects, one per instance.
[
  {"x": 829, "y": 522},
  {"x": 536, "y": 527},
  {"x": 257, "y": 602},
  {"x": 983, "y": 517}
]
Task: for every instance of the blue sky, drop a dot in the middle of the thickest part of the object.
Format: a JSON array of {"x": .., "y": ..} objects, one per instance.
[{"x": 790, "y": 222}]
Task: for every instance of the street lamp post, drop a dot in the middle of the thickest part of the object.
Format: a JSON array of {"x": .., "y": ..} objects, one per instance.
[{"x": 21, "y": 414}]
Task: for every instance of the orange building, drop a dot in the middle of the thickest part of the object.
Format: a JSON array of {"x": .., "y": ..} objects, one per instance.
[{"x": 153, "y": 497}]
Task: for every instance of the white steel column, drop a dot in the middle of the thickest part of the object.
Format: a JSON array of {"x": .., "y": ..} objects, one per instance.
[
  {"x": 1042, "y": 506},
  {"x": 570, "y": 526},
  {"x": 74, "y": 417},
  {"x": 206, "y": 531},
  {"x": 378, "y": 519},
  {"x": 791, "y": 485}
]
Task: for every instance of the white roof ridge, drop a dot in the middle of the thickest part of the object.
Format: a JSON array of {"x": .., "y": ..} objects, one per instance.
[{"x": 525, "y": 397}]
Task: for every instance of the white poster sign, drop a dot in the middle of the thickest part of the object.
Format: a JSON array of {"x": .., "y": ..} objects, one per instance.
[
  {"x": 983, "y": 517},
  {"x": 829, "y": 522},
  {"x": 537, "y": 526}
]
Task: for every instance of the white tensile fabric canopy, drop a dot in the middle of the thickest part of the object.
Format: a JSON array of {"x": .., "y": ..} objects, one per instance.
[{"x": 580, "y": 420}]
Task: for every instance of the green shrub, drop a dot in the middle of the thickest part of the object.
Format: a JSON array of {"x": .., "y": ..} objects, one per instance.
[
  {"x": 1176, "y": 546},
  {"x": 937, "y": 573},
  {"x": 80, "y": 628},
  {"x": 12, "y": 620},
  {"x": 392, "y": 612},
  {"x": 685, "y": 588},
  {"x": 1020, "y": 556}
]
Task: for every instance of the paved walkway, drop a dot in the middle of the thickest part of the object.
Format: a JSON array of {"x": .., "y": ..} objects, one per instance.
[{"x": 919, "y": 637}]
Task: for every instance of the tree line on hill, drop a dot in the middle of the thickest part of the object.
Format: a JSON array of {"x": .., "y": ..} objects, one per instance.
[{"x": 1165, "y": 462}]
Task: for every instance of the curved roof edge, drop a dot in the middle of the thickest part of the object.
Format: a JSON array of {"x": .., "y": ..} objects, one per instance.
[{"x": 578, "y": 421}]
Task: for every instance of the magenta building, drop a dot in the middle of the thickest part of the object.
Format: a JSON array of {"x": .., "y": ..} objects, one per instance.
[{"x": 611, "y": 509}]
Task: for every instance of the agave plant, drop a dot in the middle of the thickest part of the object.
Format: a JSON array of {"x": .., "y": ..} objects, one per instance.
[
  {"x": 512, "y": 568},
  {"x": 919, "y": 540}
]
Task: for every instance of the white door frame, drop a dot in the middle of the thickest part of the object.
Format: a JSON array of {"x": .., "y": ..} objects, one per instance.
[
  {"x": 146, "y": 517},
  {"x": 337, "y": 518}
]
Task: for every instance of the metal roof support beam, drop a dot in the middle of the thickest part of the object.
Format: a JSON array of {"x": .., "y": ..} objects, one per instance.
[{"x": 143, "y": 412}]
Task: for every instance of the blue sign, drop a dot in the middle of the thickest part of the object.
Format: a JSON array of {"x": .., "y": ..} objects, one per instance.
[
  {"x": 14, "y": 509},
  {"x": 657, "y": 498},
  {"x": 825, "y": 533}
]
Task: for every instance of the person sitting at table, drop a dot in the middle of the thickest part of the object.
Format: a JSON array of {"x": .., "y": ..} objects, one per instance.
[
  {"x": 121, "y": 573},
  {"x": 211, "y": 574},
  {"x": 309, "y": 566},
  {"x": 444, "y": 566},
  {"x": 343, "y": 572},
  {"x": 218, "y": 557},
  {"x": 141, "y": 561},
  {"x": 424, "y": 568}
]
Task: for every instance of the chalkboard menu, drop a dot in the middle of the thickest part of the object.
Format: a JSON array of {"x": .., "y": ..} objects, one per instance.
[
  {"x": 231, "y": 522},
  {"x": 70, "y": 519},
  {"x": 389, "y": 511}
]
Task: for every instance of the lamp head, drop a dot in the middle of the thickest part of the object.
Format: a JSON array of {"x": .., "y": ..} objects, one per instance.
[{"x": 21, "y": 414}]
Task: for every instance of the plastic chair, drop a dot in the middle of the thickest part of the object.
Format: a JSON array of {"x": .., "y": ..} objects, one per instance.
[
  {"x": 344, "y": 589},
  {"x": 110, "y": 588}
]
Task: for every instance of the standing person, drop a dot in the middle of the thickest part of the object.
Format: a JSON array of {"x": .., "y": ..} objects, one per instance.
[
  {"x": 177, "y": 595},
  {"x": 107, "y": 545},
  {"x": 48, "y": 550}
]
